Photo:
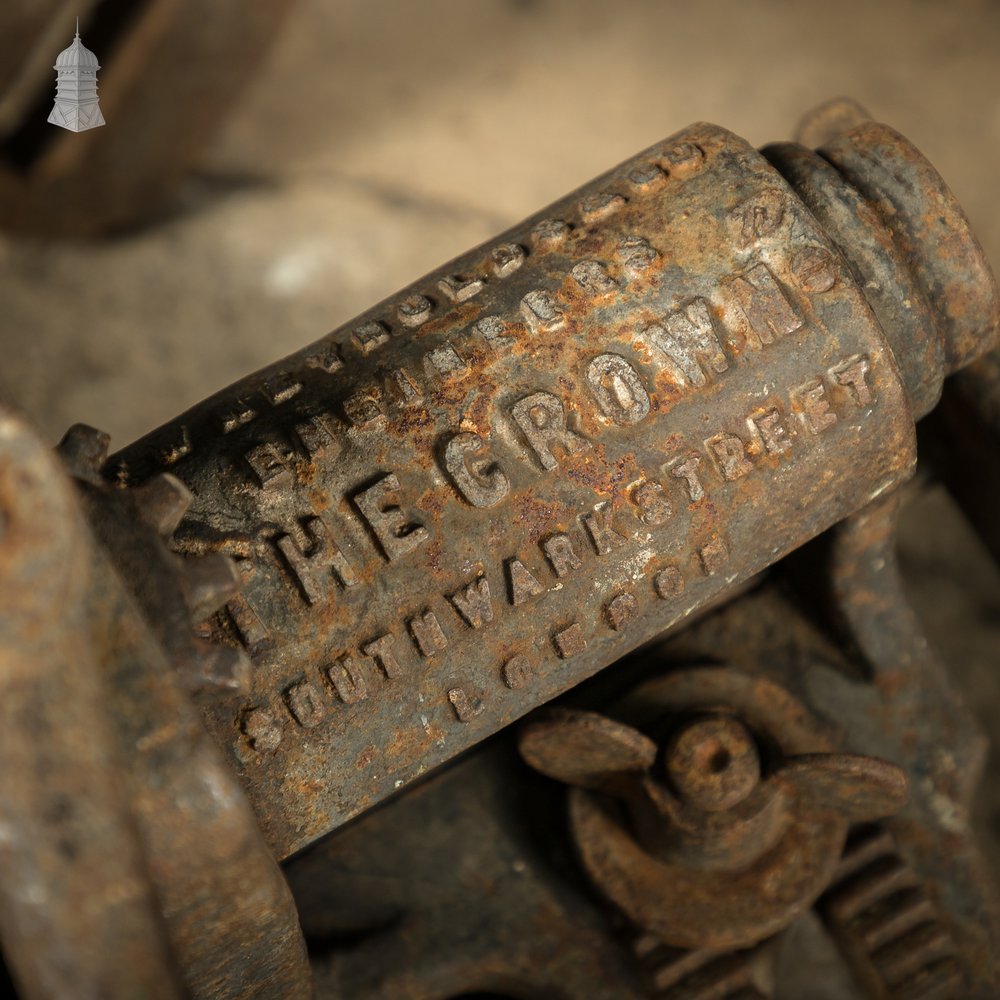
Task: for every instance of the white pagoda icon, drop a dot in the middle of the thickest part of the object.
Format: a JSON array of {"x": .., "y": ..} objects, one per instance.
[{"x": 76, "y": 106}]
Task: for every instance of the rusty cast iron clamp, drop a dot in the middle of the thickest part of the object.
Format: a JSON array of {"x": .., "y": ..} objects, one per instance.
[{"x": 492, "y": 485}]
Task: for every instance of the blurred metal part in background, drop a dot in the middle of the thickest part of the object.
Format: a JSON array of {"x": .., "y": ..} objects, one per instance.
[
  {"x": 612, "y": 423},
  {"x": 129, "y": 850},
  {"x": 171, "y": 70},
  {"x": 964, "y": 442}
]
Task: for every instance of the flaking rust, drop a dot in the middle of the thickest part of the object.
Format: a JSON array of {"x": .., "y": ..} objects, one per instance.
[{"x": 560, "y": 445}]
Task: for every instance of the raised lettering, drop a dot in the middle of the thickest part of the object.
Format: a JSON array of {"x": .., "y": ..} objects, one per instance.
[
  {"x": 402, "y": 386},
  {"x": 569, "y": 641},
  {"x": 758, "y": 216},
  {"x": 238, "y": 413},
  {"x": 684, "y": 159},
  {"x": 480, "y": 481},
  {"x": 370, "y": 335},
  {"x": 348, "y": 680},
  {"x": 269, "y": 466},
  {"x": 395, "y": 534},
  {"x": 621, "y": 610},
  {"x": 318, "y": 435},
  {"x": 313, "y": 568},
  {"x": 281, "y": 388},
  {"x": 248, "y": 623},
  {"x": 654, "y": 507},
  {"x": 592, "y": 276},
  {"x": 637, "y": 255},
  {"x": 445, "y": 361},
  {"x": 506, "y": 258},
  {"x": 427, "y": 633},
  {"x": 558, "y": 550},
  {"x": 466, "y": 708},
  {"x": 414, "y": 310},
  {"x": 814, "y": 407},
  {"x": 598, "y": 524},
  {"x": 327, "y": 358},
  {"x": 668, "y": 582},
  {"x": 618, "y": 389},
  {"x": 542, "y": 421},
  {"x": 541, "y": 311},
  {"x": 473, "y": 603},
  {"x": 687, "y": 469},
  {"x": 647, "y": 177},
  {"x": 363, "y": 406},
  {"x": 380, "y": 650},
  {"x": 730, "y": 457},
  {"x": 517, "y": 672},
  {"x": 853, "y": 375},
  {"x": 493, "y": 330},
  {"x": 767, "y": 312},
  {"x": 713, "y": 556},
  {"x": 549, "y": 233},
  {"x": 814, "y": 269},
  {"x": 689, "y": 342},
  {"x": 521, "y": 582},
  {"x": 460, "y": 289},
  {"x": 173, "y": 450},
  {"x": 771, "y": 431},
  {"x": 600, "y": 205},
  {"x": 261, "y": 730},
  {"x": 305, "y": 704}
]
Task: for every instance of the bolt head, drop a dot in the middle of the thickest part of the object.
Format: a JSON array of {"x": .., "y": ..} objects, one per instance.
[{"x": 712, "y": 762}]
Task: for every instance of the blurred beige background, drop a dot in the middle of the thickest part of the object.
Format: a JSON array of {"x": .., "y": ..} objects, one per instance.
[{"x": 380, "y": 138}]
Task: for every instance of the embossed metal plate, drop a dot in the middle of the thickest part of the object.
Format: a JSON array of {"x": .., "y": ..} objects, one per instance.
[{"x": 487, "y": 488}]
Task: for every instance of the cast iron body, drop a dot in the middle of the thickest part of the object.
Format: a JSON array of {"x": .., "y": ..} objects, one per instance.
[
  {"x": 488, "y": 487},
  {"x": 463, "y": 504}
]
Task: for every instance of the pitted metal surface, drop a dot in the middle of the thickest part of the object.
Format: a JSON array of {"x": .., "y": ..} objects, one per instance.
[
  {"x": 483, "y": 490},
  {"x": 600, "y": 427}
]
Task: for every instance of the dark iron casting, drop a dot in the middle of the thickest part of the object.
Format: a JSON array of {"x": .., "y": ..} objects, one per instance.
[
  {"x": 488, "y": 487},
  {"x": 382, "y": 551}
]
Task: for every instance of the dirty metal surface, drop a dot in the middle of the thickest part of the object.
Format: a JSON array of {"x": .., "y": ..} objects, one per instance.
[
  {"x": 388, "y": 548},
  {"x": 859, "y": 659},
  {"x": 476, "y": 875},
  {"x": 503, "y": 913},
  {"x": 132, "y": 864},
  {"x": 737, "y": 829},
  {"x": 488, "y": 487},
  {"x": 76, "y": 905}
]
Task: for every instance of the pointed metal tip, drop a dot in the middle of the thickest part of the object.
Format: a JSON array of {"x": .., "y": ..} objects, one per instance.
[
  {"x": 84, "y": 449},
  {"x": 162, "y": 502},
  {"x": 208, "y": 583},
  {"x": 216, "y": 672}
]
